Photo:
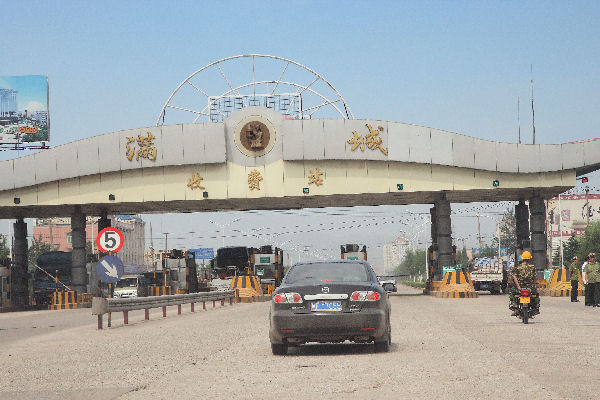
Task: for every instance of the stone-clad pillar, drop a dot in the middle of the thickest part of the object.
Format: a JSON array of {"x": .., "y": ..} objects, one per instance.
[
  {"x": 522, "y": 219},
  {"x": 78, "y": 257},
  {"x": 19, "y": 293},
  {"x": 433, "y": 242},
  {"x": 103, "y": 222},
  {"x": 537, "y": 210},
  {"x": 444, "y": 236}
]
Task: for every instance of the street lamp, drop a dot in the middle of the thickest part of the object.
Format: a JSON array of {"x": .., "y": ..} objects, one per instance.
[{"x": 223, "y": 227}]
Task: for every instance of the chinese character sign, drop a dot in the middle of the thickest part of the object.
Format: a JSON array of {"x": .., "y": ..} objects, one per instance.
[
  {"x": 195, "y": 182},
  {"x": 371, "y": 140},
  {"x": 146, "y": 149},
  {"x": 315, "y": 177},
  {"x": 254, "y": 179}
]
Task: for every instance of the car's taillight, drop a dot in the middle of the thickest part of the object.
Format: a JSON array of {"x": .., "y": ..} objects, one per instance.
[
  {"x": 287, "y": 298},
  {"x": 364, "y": 296}
]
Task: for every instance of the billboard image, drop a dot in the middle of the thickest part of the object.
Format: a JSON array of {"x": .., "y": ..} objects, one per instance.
[
  {"x": 24, "y": 118},
  {"x": 574, "y": 212}
]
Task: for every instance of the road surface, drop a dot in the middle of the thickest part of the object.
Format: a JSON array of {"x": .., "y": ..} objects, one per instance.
[{"x": 442, "y": 348}]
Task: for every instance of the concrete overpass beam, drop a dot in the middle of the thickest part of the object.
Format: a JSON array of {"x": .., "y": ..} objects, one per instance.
[
  {"x": 19, "y": 292},
  {"x": 444, "y": 236},
  {"x": 537, "y": 209},
  {"x": 78, "y": 257}
]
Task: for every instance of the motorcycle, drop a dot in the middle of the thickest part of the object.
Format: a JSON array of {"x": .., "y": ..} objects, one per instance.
[{"x": 525, "y": 310}]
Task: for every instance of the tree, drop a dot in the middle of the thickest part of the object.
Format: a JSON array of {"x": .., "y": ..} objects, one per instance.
[
  {"x": 38, "y": 247},
  {"x": 508, "y": 232},
  {"x": 413, "y": 263},
  {"x": 488, "y": 251},
  {"x": 462, "y": 258},
  {"x": 590, "y": 241},
  {"x": 4, "y": 249},
  {"x": 570, "y": 248}
]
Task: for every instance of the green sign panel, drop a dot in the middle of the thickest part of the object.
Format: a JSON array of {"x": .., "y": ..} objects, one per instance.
[{"x": 265, "y": 260}]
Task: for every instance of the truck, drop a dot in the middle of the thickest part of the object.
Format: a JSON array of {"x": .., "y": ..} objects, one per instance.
[
  {"x": 487, "y": 274},
  {"x": 265, "y": 262},
  {"x": 127, "y": 286},
  {"x": 354, "y": 252}
]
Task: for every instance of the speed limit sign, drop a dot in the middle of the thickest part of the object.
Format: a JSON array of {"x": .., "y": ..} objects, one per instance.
[{"x": 110, "y": 240}]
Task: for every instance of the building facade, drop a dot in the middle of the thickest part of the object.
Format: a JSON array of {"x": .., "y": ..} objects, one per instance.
[
  {"x": 570, "y": 215},
  {"x": 8, "y": 102},
  {"x": 57, "y": 233},
  {"x": 393, "y": 254}
]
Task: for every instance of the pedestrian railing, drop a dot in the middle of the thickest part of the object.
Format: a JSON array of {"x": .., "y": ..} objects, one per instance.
[{"x": 101, "y": 306}]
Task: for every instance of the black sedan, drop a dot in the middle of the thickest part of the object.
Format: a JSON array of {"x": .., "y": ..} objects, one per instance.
[{"x": 330, "y": 302}]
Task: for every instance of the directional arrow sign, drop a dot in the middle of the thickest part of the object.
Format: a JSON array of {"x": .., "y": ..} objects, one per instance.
[{"x": 109, "y": 269}]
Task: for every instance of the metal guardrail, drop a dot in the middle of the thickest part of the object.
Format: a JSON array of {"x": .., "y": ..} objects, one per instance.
[{"x": 101, "y": 306}]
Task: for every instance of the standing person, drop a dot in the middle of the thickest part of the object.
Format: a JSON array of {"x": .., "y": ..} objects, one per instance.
[
  {"x": 592, "y": 277},
  {"x": 588, "y": 301},
  {"x": 574, "y": 270}
]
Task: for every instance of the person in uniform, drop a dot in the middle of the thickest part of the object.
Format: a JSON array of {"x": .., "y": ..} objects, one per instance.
[
  {"x": 574, "y": 270},
  {"x": 591, "y": 275},
  {"x": 523, "y": 276}
]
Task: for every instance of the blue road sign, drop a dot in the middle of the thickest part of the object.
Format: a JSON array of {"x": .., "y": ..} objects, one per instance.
[
  {"x": 204, "y": 253},
  {"x": 109, "y": 269}
]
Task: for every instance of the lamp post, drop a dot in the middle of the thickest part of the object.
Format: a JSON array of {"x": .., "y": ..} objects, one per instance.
[{"x": 222, "y": 226}]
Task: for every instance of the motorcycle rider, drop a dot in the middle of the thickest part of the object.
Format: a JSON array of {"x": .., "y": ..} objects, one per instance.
[{"x": 523, "y": 275}]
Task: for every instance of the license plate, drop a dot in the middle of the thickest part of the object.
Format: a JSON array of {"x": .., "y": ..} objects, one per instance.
[
  {"x": 326, "y": 306},
  {"x": 524, "y": 299}
]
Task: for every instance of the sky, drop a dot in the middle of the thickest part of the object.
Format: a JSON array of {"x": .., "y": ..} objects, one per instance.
[{"x": 460, "y": 66}]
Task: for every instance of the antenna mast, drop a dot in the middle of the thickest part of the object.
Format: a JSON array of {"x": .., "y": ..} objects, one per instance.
[
  {"x": 519, "y": 116},
  {"x": 532, "y": 109}
]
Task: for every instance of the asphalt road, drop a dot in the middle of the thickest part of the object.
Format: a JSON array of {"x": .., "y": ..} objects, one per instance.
[{"x": 442, "y": 348}]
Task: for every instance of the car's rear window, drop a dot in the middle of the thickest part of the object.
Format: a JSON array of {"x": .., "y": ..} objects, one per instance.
[{"x": 327, "y": 272}]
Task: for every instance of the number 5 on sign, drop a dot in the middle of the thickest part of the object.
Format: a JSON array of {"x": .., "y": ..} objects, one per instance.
[{"x": 110, "y": 240}]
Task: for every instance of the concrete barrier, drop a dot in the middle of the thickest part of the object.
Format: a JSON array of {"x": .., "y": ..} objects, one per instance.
[
  {"x": 560, "y": 285},
  {"x": 454, "y": 285}
]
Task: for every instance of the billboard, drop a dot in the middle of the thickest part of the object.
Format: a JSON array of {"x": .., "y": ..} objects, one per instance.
[
  {"x": 572, "y": 214},
  {"x": 24, "y": 117}
]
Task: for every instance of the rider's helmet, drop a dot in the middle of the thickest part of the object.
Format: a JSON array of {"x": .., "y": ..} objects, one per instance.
[{"x": 526, "y": 255}]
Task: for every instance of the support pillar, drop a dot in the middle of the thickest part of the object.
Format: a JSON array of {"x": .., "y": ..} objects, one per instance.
[
  {"x": 103, "y": 222},
  {"x": 19, "y": 275},
  {"x": 444, "y": 236},
  {"x": 78, "y": 271},
  {"x": 433, "y": 258},
  {"x": 537, "y": 210},
  {"x": 522, "y": 220}
]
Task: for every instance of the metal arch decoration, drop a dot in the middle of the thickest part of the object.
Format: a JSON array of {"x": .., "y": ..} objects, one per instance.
[{"x": 334, "y": 99}]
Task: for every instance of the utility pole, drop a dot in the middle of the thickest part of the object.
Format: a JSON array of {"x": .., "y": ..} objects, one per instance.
[
  {"x": 519, "y": 116},
  {"x": 10, "y": 241},
  {"x": 587, "y": 207},
  {"x": 152, "y": 248},
  {"x": 479, "y": 231},
  {"x": 532, "y": 109},
  {"x": 562, "y": 265}
]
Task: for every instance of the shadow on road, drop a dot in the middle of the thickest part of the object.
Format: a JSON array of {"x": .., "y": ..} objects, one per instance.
[
  {"x": 405, "y": 294},
  {"x": 318, "y": 349}
]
